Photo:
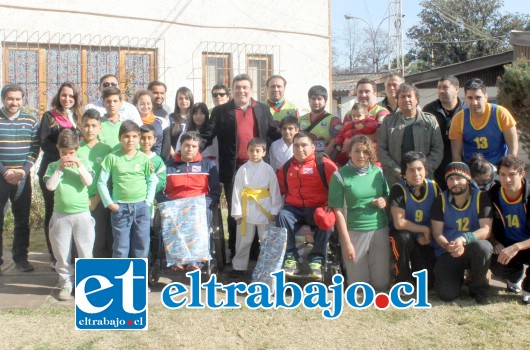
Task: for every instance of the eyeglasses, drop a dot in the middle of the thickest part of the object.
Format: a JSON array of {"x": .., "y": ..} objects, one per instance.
[
  {"x": 217, "y": 94},
  {"x": 107, "y": 84}
]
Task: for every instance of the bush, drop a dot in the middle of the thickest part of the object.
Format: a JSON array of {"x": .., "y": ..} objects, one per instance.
[{"x": 513, "y": 93}]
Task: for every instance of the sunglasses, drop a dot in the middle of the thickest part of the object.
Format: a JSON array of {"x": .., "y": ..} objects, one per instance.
[
  {"x": 217, "y": 94},
  {"x": 107, "y": 84}
]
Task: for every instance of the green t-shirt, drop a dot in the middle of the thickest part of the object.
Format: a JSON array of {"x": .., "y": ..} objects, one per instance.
[
  {"x": 356, "y": 192},
  {"x": 129, "y": 176},
  {"x": 407, "y": 144},
  {"x": 110, "y": 132},
  {"x": 94, "y": 156},
  {"x": 71, "y": 195},
  {"x": 160, "y": 170}
]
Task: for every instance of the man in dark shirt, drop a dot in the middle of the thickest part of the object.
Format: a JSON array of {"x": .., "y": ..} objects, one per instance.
[
  {"x": 444, "y": 108},
  {"x": 461, "y": 224}
]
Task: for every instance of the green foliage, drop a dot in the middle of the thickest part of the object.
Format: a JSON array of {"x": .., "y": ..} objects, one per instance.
[
  {"x": 452, "y": 31},
  {"x": 513, "y": 93}
]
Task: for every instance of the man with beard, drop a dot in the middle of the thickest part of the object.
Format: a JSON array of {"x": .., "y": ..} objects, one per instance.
[
  {"x": 408, "y": 130},
  {"x": 392, "y": 83},
  {"x": 444, "y": 108},
  {"x": 323, "y": 126},
  {"x": 482, "y": 127},
  {"x": 461, "y": 224}
]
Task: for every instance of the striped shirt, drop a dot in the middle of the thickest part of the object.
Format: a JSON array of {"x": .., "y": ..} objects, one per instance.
[{"x": 19, "y": 141}]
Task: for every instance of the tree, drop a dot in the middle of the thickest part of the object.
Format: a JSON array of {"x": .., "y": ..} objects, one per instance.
[
  {"x": 452, "y": 31},
  {"x": 513, "y": 87}
]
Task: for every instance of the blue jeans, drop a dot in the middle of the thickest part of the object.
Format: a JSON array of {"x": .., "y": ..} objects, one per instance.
[
  {"x": 20, "y": 197},
  {"x": 131, "y": 227},
  {"x": 292, "y": 218}
]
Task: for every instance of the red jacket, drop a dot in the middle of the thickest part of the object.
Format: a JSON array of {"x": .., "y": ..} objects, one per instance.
[
  {"x": 196, "y": 178},
  {"x": 305, "y": 187}
]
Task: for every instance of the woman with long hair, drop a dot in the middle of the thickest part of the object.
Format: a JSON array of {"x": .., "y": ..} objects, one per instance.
[
  {"x": 180, "y": 116},
  {"x": 199, "y": 117},
  {"x": 358, "y": 194},
  {"x": 66, "y": 113}
]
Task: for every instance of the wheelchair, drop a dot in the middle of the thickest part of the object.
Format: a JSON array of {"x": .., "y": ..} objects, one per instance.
[
  {"x": 333, "y": 263},
  {"x": 157, "y": 258}
]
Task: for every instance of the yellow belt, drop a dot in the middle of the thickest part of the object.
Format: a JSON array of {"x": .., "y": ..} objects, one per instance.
[{"x": 254, "y": 195}]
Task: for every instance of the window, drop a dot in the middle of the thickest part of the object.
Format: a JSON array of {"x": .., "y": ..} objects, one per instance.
[
  {"x": 40, "y": 71},
  {"x": 259, "y": 68},
  {"x": 216, "y": 70}
]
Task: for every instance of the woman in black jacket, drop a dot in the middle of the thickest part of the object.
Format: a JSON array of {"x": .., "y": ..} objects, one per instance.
[{"x": 65, "y": 114}]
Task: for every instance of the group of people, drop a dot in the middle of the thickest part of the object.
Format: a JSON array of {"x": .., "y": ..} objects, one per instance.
[{"x": 376, "y": 177}]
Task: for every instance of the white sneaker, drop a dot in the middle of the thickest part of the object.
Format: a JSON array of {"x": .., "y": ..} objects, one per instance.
[
  {"x": 526, "y": 297},
  {"x": 65, "y": 293},
  {"x": 513, "y": 287}
]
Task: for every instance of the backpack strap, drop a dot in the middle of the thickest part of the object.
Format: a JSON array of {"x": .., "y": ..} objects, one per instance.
[
  {"x": 319, "y": 156},
  {"x": 321, "y": 168},
  {"x": 285, "y": 168},
  {"x": 315, "y": 123}
]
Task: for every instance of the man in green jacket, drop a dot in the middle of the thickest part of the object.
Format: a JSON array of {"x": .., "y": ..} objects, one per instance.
[{"x": 408, "y": 129}]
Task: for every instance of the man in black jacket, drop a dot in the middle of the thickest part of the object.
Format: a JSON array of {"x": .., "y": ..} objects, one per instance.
[
  {"x": 444, "y": 108},
  {"x": 235, "y": 123},
  {"x": 511, "y": 226}
]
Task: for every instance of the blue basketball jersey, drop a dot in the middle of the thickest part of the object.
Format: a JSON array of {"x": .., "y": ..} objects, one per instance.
[
  {"x": 457, "y": 221},
  {"x": 488, "y": 139},
  {"x": 418, "y": 210},
  {"x": 514, "y": 218}
]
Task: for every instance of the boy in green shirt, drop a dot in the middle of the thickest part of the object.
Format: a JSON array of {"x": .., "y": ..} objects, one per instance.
[
  {"x": 93, "y": 151},
  {"x": 68, "y": 178},
  {"x": 147, "y": 140},
  {"x": 111, "y": 122},
  {"x": 133, "y": 190}
]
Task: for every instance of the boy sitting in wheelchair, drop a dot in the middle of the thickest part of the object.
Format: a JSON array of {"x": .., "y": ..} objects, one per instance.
[{"x": 192, "y": 191}]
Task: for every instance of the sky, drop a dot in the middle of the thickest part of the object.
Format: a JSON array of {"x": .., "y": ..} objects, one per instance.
[{"x": 373, "y": 11}]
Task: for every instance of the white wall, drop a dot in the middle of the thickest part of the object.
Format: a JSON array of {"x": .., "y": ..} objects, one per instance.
[{"x": 300, "y": 35}]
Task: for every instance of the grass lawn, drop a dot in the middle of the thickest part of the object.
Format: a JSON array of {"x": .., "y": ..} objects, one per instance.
[{"x": 461, "y": 325}]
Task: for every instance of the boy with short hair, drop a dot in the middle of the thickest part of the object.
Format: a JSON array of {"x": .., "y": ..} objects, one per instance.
[
  {"x": 68, "y": 178},
  {"x": 93, "y": 152},
  {"x": 256, "y": 200},
  {"x": 133, "y": 190},
  {"x": 147, "y": 140},
  {"x": 111, "y": 121},
  {"x": 281, "y": 150}
]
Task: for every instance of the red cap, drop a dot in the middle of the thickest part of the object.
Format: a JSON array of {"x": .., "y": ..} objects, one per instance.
[{"x": 324, "y": 219}]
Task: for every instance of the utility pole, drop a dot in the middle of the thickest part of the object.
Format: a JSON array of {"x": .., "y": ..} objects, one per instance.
[{"x": 396, "y": 38}]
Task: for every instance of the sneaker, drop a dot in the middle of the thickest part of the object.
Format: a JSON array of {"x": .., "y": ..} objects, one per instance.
[
  {"x": 24, "y": 266},
  {"x": 316, "y": 270},
  {"x": 65, "y": 293},
  {"x": 290, "y": 266},
  {"x": 514, "y": 288},
  {"x": 526, "y": 298}
]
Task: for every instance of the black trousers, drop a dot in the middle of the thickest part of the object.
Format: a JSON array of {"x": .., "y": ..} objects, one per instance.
[
  {"x": 409, "y": 256},
  {"x": 449, "y": 271},
  {"x": 514, "y": 270}
]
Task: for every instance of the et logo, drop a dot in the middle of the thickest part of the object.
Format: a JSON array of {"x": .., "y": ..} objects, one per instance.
[{"x": 111, "y": 294}]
